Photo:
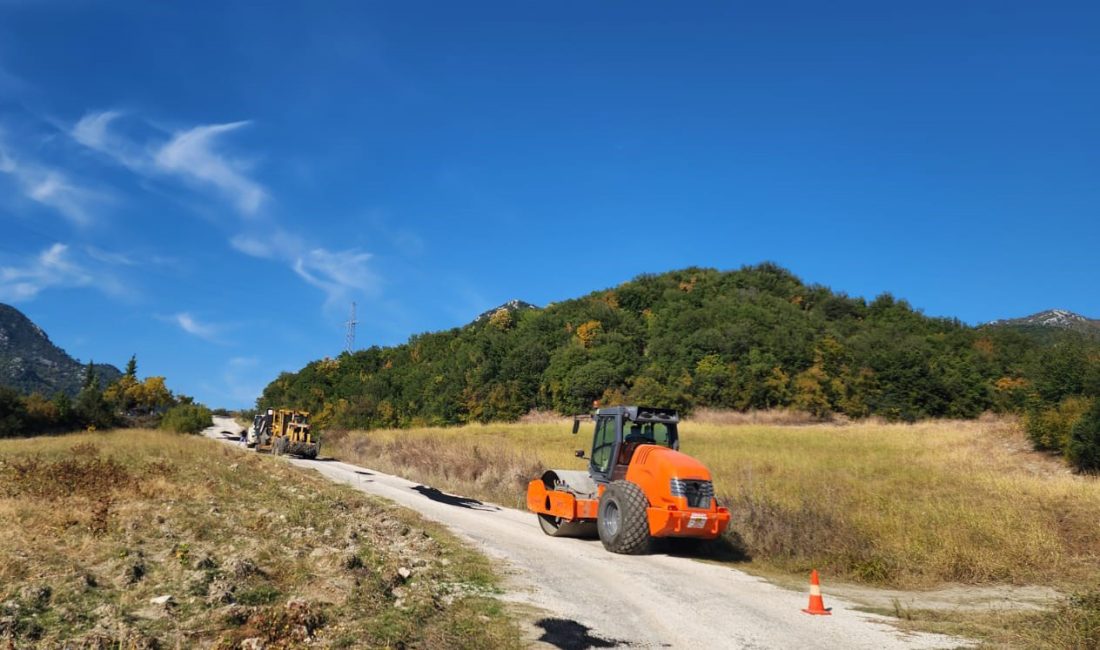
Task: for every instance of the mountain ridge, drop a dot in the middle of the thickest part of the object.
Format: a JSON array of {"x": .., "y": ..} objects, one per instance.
[
  {"x": 31, "y": 363},
  {"x": 1052, "y": 318}
]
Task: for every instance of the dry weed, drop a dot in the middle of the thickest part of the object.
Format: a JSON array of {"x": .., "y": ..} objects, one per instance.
[
  {"x": 770, "y": 417},
  {"x": 249, "y": 549}
]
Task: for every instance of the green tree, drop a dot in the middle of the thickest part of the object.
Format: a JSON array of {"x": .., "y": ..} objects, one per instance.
[
  {"x": 810, "y": 393},
  {"x": 13, "y": 414},
  {"x": 42, "y": 414},
  {"x": 64, "y": 405},
  {"x": 91, "y": 409},
  {"x": 1083, "y": 449},
  {"x": 122, "y": 395},
  {"x": 91, "y": 377},
  {"x": 501, "y": 319}
]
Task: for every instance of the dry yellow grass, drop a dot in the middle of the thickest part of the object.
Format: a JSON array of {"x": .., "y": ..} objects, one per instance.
[
  {"x": 97, "y": 525},
  {"x": 893, "y": 504}
]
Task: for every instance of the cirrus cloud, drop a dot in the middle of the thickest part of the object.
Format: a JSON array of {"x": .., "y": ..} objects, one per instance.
[
  {"x": 340, "y": 274},
  {"x": 56, "y": 267},
  {"x": 195, "y": 327},
  {"x": 195, "y": 156},
  {"x": 52, "y": 188}
]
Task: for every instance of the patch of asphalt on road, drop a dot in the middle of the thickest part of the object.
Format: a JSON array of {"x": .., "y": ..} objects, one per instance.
[{"x": 633, "y": 601}]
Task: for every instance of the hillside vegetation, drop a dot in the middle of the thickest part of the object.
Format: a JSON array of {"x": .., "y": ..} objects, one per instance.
[
  {"x": 126, "y": 401},
  {"x": 250, "y": 553},
  {"x": 755, "y": 338}
]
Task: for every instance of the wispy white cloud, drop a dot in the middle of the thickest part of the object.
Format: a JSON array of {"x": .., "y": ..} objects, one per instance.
[
  {"x": 193, "y": 155},
  {"x": 129, "y": 258},
  {"x": 110, "y": 257},
  {"x": 340, "y": 274},
  {"x": 194, "y": 327},
  {"x": 252, "y": 246},
  {"x": 93, "y": 132},
  {"x": 52, "y": 188},
  {"x": 54, "y": 268}
]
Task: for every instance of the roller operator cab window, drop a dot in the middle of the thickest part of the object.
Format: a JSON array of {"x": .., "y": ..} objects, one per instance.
[
  {"x": 603, "y": 443},
  {"x": 652, "y": 433}
]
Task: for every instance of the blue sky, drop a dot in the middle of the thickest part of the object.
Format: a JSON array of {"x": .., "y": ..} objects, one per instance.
[{"x": 209, "y": 185}]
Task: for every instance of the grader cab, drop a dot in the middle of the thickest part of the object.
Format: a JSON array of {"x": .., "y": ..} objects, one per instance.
[
  {"x": 285, "y": 431},
  {"x": 638, "y": 486}
]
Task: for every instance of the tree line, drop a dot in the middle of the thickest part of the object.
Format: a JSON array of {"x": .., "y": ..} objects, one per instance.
[
  {"x": 128, "y": 401},
  {"x": 753, "y": 338}
]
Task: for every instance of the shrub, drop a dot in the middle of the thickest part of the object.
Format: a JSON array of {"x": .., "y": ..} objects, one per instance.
[
  {"x": 1049, "y": 429},
  {"x": 1083, "y": 450},
  {"x": 187, "y": 418}
]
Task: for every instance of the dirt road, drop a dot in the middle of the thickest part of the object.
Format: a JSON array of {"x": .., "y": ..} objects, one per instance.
[{"x": 584, "y": 596}]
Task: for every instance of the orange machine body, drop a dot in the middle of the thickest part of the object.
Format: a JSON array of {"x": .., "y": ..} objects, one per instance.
[{"x": 654, "y": 469}]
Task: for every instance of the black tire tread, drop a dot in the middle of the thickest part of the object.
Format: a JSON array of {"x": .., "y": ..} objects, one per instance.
[{"x": 633, "y": 537}]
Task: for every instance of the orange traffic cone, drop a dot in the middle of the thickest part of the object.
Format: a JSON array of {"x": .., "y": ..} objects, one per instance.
[{"x": 817, "y": 605}]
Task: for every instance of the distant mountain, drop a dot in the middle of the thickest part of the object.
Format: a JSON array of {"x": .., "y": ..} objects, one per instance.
[
  {"x": 511, "y": 305},
  {"x": 30, "y": 362},
  {"x": 1052, "y": 318}
]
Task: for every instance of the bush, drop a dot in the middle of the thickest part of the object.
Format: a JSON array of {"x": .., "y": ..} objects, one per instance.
[
  {"x": 1083, "y": 450},
  {"x": 1049, "y": 428},
  {"x": 187, "y": 418}
]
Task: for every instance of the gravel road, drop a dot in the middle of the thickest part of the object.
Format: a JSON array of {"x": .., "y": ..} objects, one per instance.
[{"x": 582, "y": 596}]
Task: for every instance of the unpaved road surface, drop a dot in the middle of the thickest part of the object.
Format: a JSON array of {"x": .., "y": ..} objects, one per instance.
[{"x": 582, "y": 596}]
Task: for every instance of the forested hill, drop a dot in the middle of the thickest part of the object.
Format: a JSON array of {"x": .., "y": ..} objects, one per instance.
[{"x": 757, "y": 337}]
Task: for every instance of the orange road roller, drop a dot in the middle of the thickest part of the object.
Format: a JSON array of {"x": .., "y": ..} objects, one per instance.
[{"x": 638, "y": 487}]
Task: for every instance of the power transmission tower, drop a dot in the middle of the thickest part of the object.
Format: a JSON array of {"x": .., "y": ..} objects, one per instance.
[{"x": 349, "y": 342}]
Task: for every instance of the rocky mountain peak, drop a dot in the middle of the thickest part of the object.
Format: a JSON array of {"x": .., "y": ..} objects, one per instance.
[
  {"x": 511, "y": 305},
  {"x": 1056, "y": 318},
  {"x": 30, "y": 362}
]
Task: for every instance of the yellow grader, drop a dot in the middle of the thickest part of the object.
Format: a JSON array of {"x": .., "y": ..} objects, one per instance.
[{"x": 284, "y": 431}]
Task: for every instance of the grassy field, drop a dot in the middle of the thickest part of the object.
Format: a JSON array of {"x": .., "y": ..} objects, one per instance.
[
  {"x": 251, "y": 553},
  {"x": 905, "y": 506},
  {"x": 898, "y": 505}
]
